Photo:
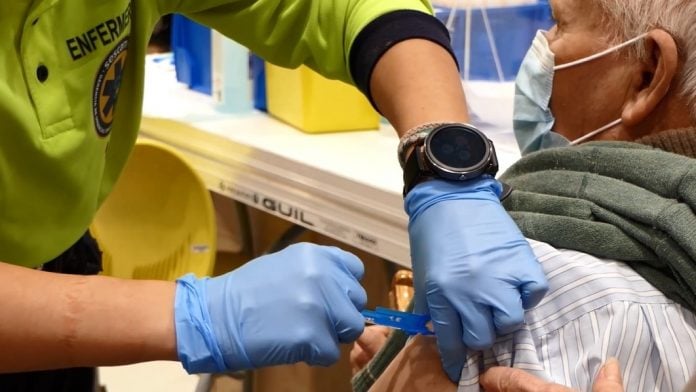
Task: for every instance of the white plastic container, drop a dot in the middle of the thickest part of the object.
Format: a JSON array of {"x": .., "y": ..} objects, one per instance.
[{"x": 231, "y": 81}]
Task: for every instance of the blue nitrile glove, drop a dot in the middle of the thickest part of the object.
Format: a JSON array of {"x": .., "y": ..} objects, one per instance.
[
  {"x": 292, "y": 306},
  {"x": 474, "y": 272}
]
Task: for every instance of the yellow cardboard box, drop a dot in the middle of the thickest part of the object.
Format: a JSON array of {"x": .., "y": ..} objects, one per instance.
[{"x": 308, "y": 101}]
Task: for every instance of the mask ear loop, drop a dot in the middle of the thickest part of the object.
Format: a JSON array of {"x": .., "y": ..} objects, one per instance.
[
  {"x": 600, "y": 54},
  {"x": 591, "y": 58},
  {"x": 595, "y": 133}
]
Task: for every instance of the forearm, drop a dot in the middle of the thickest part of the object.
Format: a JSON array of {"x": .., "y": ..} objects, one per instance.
[
  {"x": 53, "y": 321},
  {"x": 416, "y": 82}
]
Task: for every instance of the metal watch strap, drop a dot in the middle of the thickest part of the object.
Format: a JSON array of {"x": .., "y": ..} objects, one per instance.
[{"x": 414, "y": 136}]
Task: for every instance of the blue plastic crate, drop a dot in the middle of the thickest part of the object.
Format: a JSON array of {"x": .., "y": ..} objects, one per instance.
[
  {"x": 258, "y": 75},
  {"x": 191, "y": 48},
  {"x": 191, "y": 45},
  {"x": 513, "y": 29}
]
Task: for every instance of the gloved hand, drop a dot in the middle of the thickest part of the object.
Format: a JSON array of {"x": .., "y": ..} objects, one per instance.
[
  {"x": 474, "y": 272},
  {"x": 291, "y": 306}
]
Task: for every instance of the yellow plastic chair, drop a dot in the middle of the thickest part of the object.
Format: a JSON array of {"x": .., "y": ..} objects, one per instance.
[{"x": 159, "y": 221}]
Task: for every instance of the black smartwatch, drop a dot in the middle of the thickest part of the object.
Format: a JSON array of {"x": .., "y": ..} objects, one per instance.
[{"x": 455, "y": 152}]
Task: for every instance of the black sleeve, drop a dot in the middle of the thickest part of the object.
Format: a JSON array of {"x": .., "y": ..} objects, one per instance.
[{"x": 386, "y": 31}]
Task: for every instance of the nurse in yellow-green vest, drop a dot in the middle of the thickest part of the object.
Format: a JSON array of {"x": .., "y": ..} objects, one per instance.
[{"x": 71, "y": 84}]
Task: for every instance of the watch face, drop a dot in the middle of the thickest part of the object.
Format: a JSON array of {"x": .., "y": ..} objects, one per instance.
[{"x": 457, "y": 147}]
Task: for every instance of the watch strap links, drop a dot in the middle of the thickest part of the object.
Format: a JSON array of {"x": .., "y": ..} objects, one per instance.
[{"x": 414, "y": 136}]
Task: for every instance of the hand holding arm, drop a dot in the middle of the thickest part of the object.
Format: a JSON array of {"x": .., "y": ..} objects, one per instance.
[
  {"x": 474, "y": 272},
  {"x": 502, "y": 379}
]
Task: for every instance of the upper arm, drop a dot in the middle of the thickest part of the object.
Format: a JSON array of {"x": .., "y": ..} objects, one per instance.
[
  {"x": 416, "y": 368},
  {"x": 318, "y": 33}
]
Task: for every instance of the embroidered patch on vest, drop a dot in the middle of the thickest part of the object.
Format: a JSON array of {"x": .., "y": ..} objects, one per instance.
[{"x": 107, "y": 86}]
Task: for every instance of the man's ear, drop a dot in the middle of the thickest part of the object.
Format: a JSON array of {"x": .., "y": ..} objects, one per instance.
[{"x": 658, "y": 69}]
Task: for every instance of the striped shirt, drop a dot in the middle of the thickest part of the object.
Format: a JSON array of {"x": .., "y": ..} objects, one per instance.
[{"x": 596, "y": 309}]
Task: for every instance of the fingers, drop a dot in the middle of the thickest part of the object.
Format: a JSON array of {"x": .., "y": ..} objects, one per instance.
[
  {"x": 509, "y": 315},
  {"x": 346, "y": 298},
  {"x": 367, "y": 346},
  {"x": 478, "y": 330},
  {"x": 345, "y": 303},
  {"x": 609, "y": 378},
  {"x": 448, "y": 328},
  {"x": 358, "y": 296},
  {"x": 503, "y": 379},
  {"x": 349, "y": 323},
  {"x": 530, "y": 281},
  {"x": 324, "y": 349},
  {"x": 349, "y": 260},
  {"x": 358, "y": 359},
  {"x": 372, "y": 339},
  {"x": 533, "y": 291},
  {"x": 420, "y": 302}
]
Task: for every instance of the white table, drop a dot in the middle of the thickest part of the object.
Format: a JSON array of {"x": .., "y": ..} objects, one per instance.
[{"x": 343, "y": 185}]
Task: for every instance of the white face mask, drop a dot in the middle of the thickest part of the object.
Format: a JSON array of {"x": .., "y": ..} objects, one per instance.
[{"x": 532, "y": 118}]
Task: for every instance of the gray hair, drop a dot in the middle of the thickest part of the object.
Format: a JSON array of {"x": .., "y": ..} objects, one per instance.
[{"x": 678, "y": 17}]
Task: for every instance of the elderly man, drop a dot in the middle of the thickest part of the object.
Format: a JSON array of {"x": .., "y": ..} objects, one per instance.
[{"x": 610, "y": 70}]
